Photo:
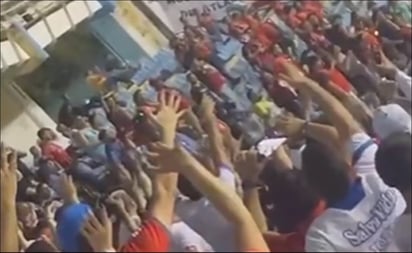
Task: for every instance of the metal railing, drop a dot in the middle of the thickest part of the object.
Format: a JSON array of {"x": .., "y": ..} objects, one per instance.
[{"x": 24, "y": 15}]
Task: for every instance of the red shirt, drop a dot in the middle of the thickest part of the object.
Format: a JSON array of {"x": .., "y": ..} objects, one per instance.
[
  {"x": 151, "y": 237},
  {"x": 56, "y": 153},
  {"x": 294, "y": 242},
  {"x": 339, "y": 79},
  {"x": 215, "y": 80}
]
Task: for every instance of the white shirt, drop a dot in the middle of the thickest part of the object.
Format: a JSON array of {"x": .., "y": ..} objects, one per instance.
[
  {"x": 404, "y": 82},
  {"x": 403, "y": 233},
  {"x": 369, "y": 226},
  {"x": 185, "y": 239},
  {"x": 203, "y": 218}
]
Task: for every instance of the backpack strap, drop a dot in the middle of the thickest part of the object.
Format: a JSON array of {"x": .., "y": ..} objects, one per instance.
[{"x": 359, "y": 151}]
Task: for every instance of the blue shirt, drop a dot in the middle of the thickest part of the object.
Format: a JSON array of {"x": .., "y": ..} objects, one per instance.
[{"x": 115, "y": 152}]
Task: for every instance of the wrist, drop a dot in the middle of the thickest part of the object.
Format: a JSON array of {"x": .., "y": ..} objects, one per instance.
[
  {"x": 251, "y": 184},
  {"x": 303, "y": 128}
]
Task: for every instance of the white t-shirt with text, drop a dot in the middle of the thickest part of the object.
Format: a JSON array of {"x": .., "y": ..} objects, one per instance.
[{"x": 370, "y": 224}]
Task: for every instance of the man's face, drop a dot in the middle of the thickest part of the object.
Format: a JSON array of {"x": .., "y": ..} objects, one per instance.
[{"x": 48, "y": 135}]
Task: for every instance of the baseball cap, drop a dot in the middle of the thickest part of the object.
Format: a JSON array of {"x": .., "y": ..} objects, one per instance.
[{"x": 389, "y": 119}]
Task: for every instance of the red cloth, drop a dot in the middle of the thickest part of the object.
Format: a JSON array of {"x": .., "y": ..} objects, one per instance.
[
  {"x": 151, "y": 237},
  {"x": 294, "y": 242},
  {"x": 339, "y": 79},
  {"x": 56, "y": 153},
  {"x": 215, "y": 80}
]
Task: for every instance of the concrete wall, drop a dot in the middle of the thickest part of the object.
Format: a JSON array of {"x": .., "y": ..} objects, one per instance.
[{"x": 21, "y": 118}]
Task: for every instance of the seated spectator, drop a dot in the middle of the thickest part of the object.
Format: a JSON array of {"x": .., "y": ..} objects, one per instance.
[{"x": 50, "y": 149}]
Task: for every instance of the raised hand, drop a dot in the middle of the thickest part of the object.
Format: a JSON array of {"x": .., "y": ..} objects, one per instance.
[
  {"x": 68, "y": 189},
  {"x": 167, "y": 116},
  {"x": 289, "y": 125},
  {"x": 248, "y": 165},
  {"x": 99, "y": 232},
  {"x": 8, "y": 175},
  {"x": 294, "y": 77},
  {"x": 162, "y": 156}
]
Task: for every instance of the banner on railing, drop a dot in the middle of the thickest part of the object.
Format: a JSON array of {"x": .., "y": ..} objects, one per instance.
[{"x": 175, "y": 9}]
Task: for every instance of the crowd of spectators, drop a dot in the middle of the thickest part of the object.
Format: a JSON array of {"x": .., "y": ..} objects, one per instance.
[{"x": 175, "y": 173}]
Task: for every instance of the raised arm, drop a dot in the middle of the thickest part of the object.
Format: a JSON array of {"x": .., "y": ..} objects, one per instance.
[
  {"x": 8, "y": 190},
  {"x": 248, "y": 167},
  {"x": 249, "y": 238},
  {"x": 217, "y": 147},
  {"x": 164, "y": 184},
  {"x": 335, "y": 111}
]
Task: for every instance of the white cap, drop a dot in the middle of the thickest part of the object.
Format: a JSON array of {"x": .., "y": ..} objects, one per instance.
[{"x": 389, "y": 119}]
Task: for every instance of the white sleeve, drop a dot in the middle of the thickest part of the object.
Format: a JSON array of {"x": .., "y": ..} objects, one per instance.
[
  {"x": 227, "y": 176},
  {"x": 366, "y": 160},
  {"x": 185, "y": 239},
  {"x": 404, "y": 82},
  {"x": 316, "y": 242}
]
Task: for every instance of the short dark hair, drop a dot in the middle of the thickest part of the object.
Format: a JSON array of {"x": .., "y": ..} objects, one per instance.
[
  {"x": 41, "y": 246},
  {"x": 42, "y": 132},
  {"x": 325, "y": 171},
  {"x": 296, "y": 206},
  {"x": 393, "y": 161},
  {"x": 187, "y": 189}
]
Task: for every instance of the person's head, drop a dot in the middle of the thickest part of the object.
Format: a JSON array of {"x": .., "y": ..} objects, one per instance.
[
  {"x": 390, "y": 119},
  {"x": 314, "y": 63},
  {"x": 156, "y": 83},
  {"x": 186, "y": 188},
  {"x": 198, "y": 63},
  {"x": 46, "y": 134},
  {"x": 42, "y": 246},
  {"x": 35, "y": 151},
  {"x": 107, "y": 135},
  {"x": 26, "y": 214},
  {"x": 393, "y": 162},
  {"x": 192, "y": 78},
  {"x": 287, "y": 185},
  {"x": 325, "y": 171}
]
